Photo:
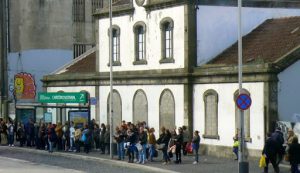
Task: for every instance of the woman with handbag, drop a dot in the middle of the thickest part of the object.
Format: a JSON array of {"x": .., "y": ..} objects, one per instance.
[{"x": 163, "y": 140}]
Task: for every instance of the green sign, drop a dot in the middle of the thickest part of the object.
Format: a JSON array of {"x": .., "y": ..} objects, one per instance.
[{"x": 45, "y": 97}]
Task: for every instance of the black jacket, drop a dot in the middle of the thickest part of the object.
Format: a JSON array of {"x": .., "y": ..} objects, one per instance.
[{"x": 294, "y": 153}]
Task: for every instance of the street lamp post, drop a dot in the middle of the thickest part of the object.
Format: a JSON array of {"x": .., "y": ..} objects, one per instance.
[
  {"x": 111, "y": 80},
  {"x": 243, "y": 164}
]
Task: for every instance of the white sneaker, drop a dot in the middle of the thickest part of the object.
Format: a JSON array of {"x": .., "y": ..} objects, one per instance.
[
  {"x": 9, "y": 145},
  {"x": 195, "y": 162},
  {"x": 12, "y": 145}
]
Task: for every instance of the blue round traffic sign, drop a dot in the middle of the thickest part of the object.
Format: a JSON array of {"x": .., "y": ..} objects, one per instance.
[{"x": 243, "y": 101}]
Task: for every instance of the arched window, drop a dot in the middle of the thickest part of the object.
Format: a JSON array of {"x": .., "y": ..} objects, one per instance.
[
  {"x": 117, "y": 109},
  {"x": 166, "y": 27},
  {"x": 139, "y": 30},
  {"x": 167, "y": 110},
  {"x": 210, "y": 98},
  {"x": 115, "y": 45},
  {"x": 246, "y": 116},
  {"x": 140, "y": 107}
]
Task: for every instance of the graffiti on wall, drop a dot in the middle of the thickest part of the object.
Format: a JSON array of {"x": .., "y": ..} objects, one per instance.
[{"x": 24, "y": 86}]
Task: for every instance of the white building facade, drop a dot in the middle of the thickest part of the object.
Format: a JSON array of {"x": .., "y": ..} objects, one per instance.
[{"x": 165, "y": 73}]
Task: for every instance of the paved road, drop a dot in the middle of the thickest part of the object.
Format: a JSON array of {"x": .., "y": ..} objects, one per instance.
[
  {"x": 9, "y": 165},
  {"x": 95, "y": 162}
]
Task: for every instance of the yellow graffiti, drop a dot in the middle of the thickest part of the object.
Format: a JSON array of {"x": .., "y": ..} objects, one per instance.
[{"x": 19, "y": 85}]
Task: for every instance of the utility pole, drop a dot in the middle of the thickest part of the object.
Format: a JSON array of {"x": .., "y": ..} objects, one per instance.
[
  {"x": 110, "y": 79},
  {"x": 4, "y": 38}
]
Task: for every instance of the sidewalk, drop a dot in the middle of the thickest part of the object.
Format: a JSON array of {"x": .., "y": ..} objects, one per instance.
[{"x": 207, "y": 164}]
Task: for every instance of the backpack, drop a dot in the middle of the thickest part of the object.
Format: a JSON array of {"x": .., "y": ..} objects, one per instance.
[{"x": 83, "y": 137}]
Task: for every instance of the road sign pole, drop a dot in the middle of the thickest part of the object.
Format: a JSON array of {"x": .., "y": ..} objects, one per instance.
[{"x": 243, "y": 165}]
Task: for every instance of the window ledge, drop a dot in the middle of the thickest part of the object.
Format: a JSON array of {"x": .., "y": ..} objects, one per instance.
[
  {"x": 166, "y": 60},
  {"x": 211, "y": 136},
  {"x": 140, "y": 62},
  {"x": 115, "y": 63}
]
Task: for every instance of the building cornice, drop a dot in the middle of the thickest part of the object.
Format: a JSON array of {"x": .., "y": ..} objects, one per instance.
[
  {"x": 254, "y": 3},
  {"x": 159, "y": 4},
  {"x": 126, "y": 9}
]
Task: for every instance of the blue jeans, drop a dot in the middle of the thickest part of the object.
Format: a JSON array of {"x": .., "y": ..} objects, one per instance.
[
  {"x": 50, "y": 149},
  {"x": 294, "y": 168},
  {"x": 165, "y": 154},
  {"x": 11, "y": 139},
  {"x": 142, "y": 154},
  {"x": 121, "y": 150},
  {"x": 72, "y": 144},
  {"x": 196, "y": 154},
  {"x": 151, "y": 151}
]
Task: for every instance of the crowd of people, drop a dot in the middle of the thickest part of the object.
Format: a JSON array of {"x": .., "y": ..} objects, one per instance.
[{"x": 137, "y": 141}]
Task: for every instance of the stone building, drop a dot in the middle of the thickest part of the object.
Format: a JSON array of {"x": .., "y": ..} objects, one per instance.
[
  {"x": 174, "y": 64},
  {"x": 44, "y": 35}
]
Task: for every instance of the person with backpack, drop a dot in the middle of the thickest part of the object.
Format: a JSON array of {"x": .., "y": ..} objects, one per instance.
[{"x": 86, "y": 139}]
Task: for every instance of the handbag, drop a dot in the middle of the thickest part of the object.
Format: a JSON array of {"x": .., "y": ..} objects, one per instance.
[
  {"x": 262, "y": 162},
  {"x": 189, "y": 148},
  {"x": 286, "y": 157},
  {"x": 139, "y": 147},
  {"x": 161, "y": 146}
]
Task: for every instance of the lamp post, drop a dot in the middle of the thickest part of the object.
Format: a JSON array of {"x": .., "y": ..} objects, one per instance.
[
  {"x": 110, "y": 80},
  {"x": 243, "y": 164}
]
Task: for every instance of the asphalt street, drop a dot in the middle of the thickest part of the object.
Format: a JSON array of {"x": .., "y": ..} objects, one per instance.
[{"x": 94, "y": 162}]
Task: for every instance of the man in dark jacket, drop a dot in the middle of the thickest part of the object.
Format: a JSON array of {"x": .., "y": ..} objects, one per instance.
[
  {"x": 271, "y": 152},
  {"x": 294, "y": 155}
]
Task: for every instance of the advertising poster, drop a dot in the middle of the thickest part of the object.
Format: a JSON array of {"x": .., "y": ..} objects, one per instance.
[
  {"x": 48, "y": 117},
  {"x": 23, "y": 115},
  {"x": 80, "y": 118}
]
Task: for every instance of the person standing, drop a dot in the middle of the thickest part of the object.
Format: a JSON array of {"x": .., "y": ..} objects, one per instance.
[
  {"x": 21, "y": 134},
  {"x": 119, "y": 137},
  {"x": 143, "y": 141},
  {"x": 10, "y": 133},
  {"x": 271, "y": 152},
  {"x": 71, "y": 136},
  {"x": 96, "y": 136},
  {"x": 178, "y": 143},
  {"x": 86, "y": 139},
  {"x": 152, "y": 143},
  {"x": 196, "y": 146},
  {"x": 294, "y": 155},
  {"x": 77, "y": 139},
  {"x": 186, "y": 139},
  {"x": 51, "y": 136},
  {"x": 131, "y": 138},
  {"x": 102, "y": 138},
  {"x": 164, "y": 139}
]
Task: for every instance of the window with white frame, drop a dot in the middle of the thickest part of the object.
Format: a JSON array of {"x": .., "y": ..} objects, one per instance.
[
  {"x": 139, "y": 30},
  {"x": 167, "y": 26}
]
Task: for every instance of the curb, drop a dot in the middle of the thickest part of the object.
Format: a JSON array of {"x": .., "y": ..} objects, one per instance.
[{"x": 102, "y": 160}]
